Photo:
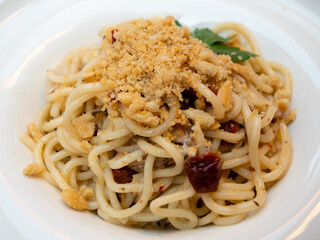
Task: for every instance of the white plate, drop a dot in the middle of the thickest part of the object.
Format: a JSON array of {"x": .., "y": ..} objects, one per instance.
[{"x": 36, "y": 37}]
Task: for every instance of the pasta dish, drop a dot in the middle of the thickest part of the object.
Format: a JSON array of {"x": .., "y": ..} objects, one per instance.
[{"x": 161, "y": 127}]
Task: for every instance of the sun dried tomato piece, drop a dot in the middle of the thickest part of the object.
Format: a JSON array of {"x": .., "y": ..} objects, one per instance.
[
  {"x": 204, "y": 172},
  {"x": 123, "y": 175},
  {"x": 113, "y": 39},
  {"x": 180, "y": 127},
  {"x": 189, "y": 97},
  {"x": 231, "y": 127}
]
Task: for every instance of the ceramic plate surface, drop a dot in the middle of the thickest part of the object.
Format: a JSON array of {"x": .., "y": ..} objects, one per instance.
[{"x": 36, "y": 38}]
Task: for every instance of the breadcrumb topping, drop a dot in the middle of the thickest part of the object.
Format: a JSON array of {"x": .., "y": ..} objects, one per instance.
[
  {"x": 34, "y": 132},
  {"x": 146, "y": 64},
  {"x": 74, "y": 199},
  {"x": 84, "y": 125},
  {"x": 204, "y": 119},
  {"x": 33, "y": 169},
  {"x": 225, "y": 95}
]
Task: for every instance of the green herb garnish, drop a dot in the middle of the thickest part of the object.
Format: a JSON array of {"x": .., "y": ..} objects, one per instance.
[
  {"x": 177, "y": 23},
  {"x": 209, "y": 37},
  {"x": 235, "y": 53},
  {"x": 214, "y": 42}
]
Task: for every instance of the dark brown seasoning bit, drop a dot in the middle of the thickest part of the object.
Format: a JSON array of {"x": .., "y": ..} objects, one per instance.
[
  {"x": 233, "y": 175},
  {"x": 251, "y": 168},
  {"x": 169, "y": 163},
  {"x": 229, "y": 203},
  {"x": 199, "y": 203},
  {"x": 118, "y": 197},
  {"x": 230, "y": 126},
  {"x": 225, "y": 146},
  {"x": 137, "y": 166},
  {"x": 163, "y": 223},
  {"x": 161, "y": 163},
  {"x": 189, "y": 97},
  {"x": 204, "y": 172},
  {"x": 95, "y": 131},
  {"x": 95, "y": 111},
  {"x": 256, "y": 203},
  {"x": 180, "y": 127},
  {"x": 123, "y": 175},
  {"x": 213, "y": 89}
]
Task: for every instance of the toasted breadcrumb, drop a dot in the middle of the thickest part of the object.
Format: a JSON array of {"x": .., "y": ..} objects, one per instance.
[
  {"x": 243, "y": 71},
  {"x": 137, "y": 109},
  {"x": 290, "y": 116},
  {"x": 192, "y": 151},
  {"x": 84, "y": 125},
  {"x": 85, "y": 145},
  {"x": 169, "y": 135},
  {"x": 204, "y": 119},
  {"x": 33, "y": 169},
  {"x": 200, "y": 103},
  {"x": 281, "y": 93},
  {"x": 225, "y": 95},
  {"x": 181, "y": 118},
  {"x": 283, "y": 104},
  {"x": 34, "y": 132},
  {"x": 204, "y": 67},
  {"x": 74, "y": 199},
  {"x": 146, "y": 63}
]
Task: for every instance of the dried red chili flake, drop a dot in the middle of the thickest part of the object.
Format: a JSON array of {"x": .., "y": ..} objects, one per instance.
[
  {"x": 270, "y": 145},
  {"x": 161, "y": 188},
  {"x": 230, "y": 126},
  {"x": 189, "y": 97},
  {"x": 123, "y": 175},
  {"x": 204, "y": 172},
  {"x": 113, "y": 39},
  {"x": 213, "y": 89}
]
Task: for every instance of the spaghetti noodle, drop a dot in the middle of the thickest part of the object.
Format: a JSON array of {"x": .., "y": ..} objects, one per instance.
[{"x": 128, "y": 124}]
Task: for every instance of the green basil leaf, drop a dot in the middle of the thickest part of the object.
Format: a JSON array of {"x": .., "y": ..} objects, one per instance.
[
  {"x": 177, "y": 23},
  {"x": 209, "y": 37},
  {"x": 214, "y": 42},
  {"x": 235, "y": 53}
]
